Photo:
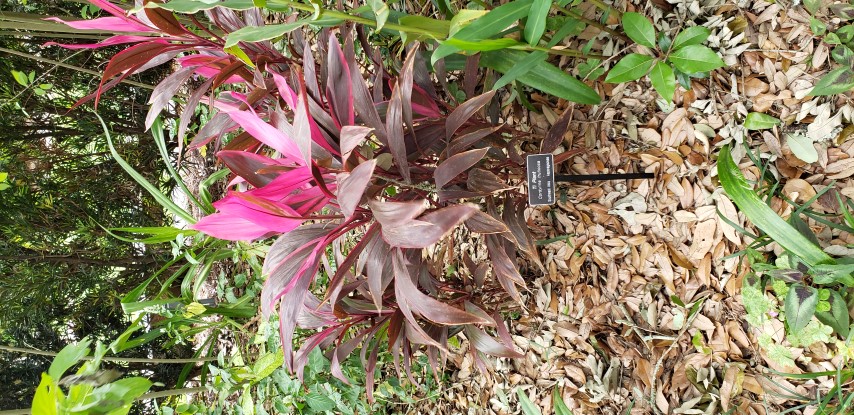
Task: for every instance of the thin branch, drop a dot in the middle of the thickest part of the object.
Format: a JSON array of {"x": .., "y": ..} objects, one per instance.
[{"x": 110, "y": 359}]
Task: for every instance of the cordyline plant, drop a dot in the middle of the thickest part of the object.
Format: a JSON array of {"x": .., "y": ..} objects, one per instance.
[{"x": 368, "y": 184}]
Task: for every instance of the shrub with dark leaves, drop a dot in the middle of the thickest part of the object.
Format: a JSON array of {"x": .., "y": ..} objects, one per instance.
[{"x": 367, "y": 179}]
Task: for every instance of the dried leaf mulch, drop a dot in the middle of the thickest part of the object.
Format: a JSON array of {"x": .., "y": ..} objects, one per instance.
[{"x": 609, "y": 325}]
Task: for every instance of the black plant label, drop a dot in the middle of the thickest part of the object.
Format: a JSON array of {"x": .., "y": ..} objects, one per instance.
[{"x": 541, "y": 179}]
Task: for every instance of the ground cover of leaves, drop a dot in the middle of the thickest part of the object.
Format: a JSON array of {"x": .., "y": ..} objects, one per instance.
[{"x": 601, "y": 325}]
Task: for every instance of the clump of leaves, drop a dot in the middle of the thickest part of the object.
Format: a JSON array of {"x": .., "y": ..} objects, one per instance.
[
  {"x": 841, "y": 38},
  {"x": 365, "y": 184},
  {"x": 811, "y": 285},
  {"x": 665, "y": 60}
]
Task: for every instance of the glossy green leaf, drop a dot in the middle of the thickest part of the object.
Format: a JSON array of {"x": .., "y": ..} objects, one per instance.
[
  {"x": 633, "y": 66},
  {"x": 800, "y": 306},
  {"x": 544, "y": 76},
  {"x": 760, "y": 121},
  {"x": 837, "y": 317},
  {"x": 693, "y": 35},
  {"x": 743, "y": 195},
  {"x": 695, "y": 58},
  {"x": 663, "y": 80},
  {"x": 267, "y": 364},
  {"x": 463, "y": 17},
  {"x": 525, "y": 65},
  {"x": 482, "y": 45},
  {"x": 48, "y": 398},
  {"x": 258, "y": 34},
  {"x": 537, "y": 18},
  {"x": 195, "y": 6},
  {"x": 833, "y": 274},
  {"x": 319, "y": 402},
  {"x": 381, "y": 12},
  {"x": 528, "y": 407},
  {"x": 837, "y": 81},
  {"x": 68, "y": 357},
  {"x": 487, "y": 26},
  {"x": 639, "y": 29},
  {"x": 20, "y": 77}
]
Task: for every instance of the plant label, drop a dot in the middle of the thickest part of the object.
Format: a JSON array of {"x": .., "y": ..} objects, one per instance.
[{"x": 541, "y": 179}]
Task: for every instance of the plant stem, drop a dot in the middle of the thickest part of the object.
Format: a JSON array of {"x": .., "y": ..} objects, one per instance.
[
  {"x": 600, "y": 26},
  {"x": 110, "y": 359},
  {"x": 65, "y": 65},
  {"x": 606, "y": 8},
  {"x": 171, "y": 392}
]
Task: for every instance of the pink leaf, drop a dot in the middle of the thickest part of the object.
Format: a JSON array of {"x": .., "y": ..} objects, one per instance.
[
  {"x": 110, "y": 41},
  {"x": 391, "y": 214},
  {"x": 247, "y": 165},
  {"x": 429, "y": 229},
  {"x": 339, "y": 87},
  {"x": 394, "y": 127},
  {"x": 163, "y": 93},
  {"x": 110, "y": 24},
  {"x": 268, "y": 135},
  {"x": 351, "y": 138}
]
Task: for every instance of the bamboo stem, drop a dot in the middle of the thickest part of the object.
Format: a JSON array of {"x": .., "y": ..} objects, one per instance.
[
  {"x": 111, "y": 359},
  {"x": 69, "y": 66}
]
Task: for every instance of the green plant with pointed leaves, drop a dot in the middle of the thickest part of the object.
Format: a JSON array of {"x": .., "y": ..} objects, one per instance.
[
  {"x": 666, "y": 61},
  {"x": 804, "y": 287},
  {"x": 841, "y": 41}
]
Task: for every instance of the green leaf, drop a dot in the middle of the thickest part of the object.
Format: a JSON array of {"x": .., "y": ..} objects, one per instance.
[
  {"x": 560, "y": 407},
  {"x": 663, "y": 80},
  {"x": 521, "y": 68},
  {"x": 48, "y": 398},
  {"x": 381, "y": 12},
  {"x": 815, "y": 331},
  {"x": 20, "y": 77},
  {"x": 544, "y": 76},
  {"x": 440, "y": 27},
  {"x": 195, "y": 6},
  {"x": 800, "y": 306},
  {"x": 817, "y": 27},
  {"x": 760, "y": 121},
  {"x": 693, "y": 35},
  {"x": 536, "y": 24},
  {"x": 487, "y": 26},
  {"x": 837, "y": 81},
  {"x": 267, "y": 364},
  {"x": 802, "y": 147},
  {"x": 812, "y": 6},
  {"x": 528, "y": 407},
  {"x": 258, "y": 34},
  {"x": 319, "y": 402},
  {"x": 743, "y": 195},
  {"x": 833, "y": 274},
  {"x": 163, "y": 199},
  {"x": 68, "y": 357},
  {"x": 639, "y": 29},
  {"x": 632, "y": 66},
  {"x": 482, "y": 45},
  {"x": 695, "y": 58},
  {"x": 462, "y": 17},
  {"x": 837, "y": 317}
]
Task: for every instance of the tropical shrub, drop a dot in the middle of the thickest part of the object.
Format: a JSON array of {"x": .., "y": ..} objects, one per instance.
[{"x": 366, "y": 184}]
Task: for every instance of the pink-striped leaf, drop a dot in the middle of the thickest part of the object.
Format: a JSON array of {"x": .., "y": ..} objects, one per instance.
[
  {"x": 394, "y": 128},
  {"x": 110, "y": 41},
  {"x": 164, "y": 91},
  {"x": 339, "y": 85},
  {"x": 428, "y": 229},
  {"x": 268, "y": 135},
  {"x": 110, "y": 24},
  {"x": 352, "y": 137}
]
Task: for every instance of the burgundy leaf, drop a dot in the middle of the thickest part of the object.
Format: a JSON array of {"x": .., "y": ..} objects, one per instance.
[
  {"x": 483, "y": 181},
  {"x": 483, "y": 223},
  {"x": 464, "y": 142},
  {"x": 190, "y": 108},
  {"x": 487, "y": 344},
  {"x": 344, "y": 267},
  {"x": 289, "y": 308},
  {"x": 393, "y": 214},
  {"x": 505, "y": 270},
  {"x": 470, "y": 78},
  {"x": 461, "y": 114},
  {"x": 290, "y": 258},
  {"x": 378, "y": 269},
  {"x": 302, "y": 129},
  {"x": 428, "y": 307},
  {"x": 364, "y": 105},
  {"x": 165, "y": 90},
  {"x": 310, "y": 70},
  {"x": 164, "y": 20},
  {"x": 429, "y": 229},
  {"x": 339, "y": 88},
  {"x": 456, "y": 164},
  {"x": 394, "y": 127},
  {"x": 247, "y": 165},
  {"x": 311, "y": 343},
  {"x": 555, "y": 134},
  {"x": 406, "y": 81},
  {"x": 227, "y": 73},
  {"x": 352, "y": 187},
  {"x": 132, "y": 58},
  {"x": 515, "y": 220}
]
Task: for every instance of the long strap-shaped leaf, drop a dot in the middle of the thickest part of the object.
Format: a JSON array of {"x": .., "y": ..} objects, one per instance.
[
  {"x": 764, "y": 217},
  {"x": 162, "y": 199}
]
